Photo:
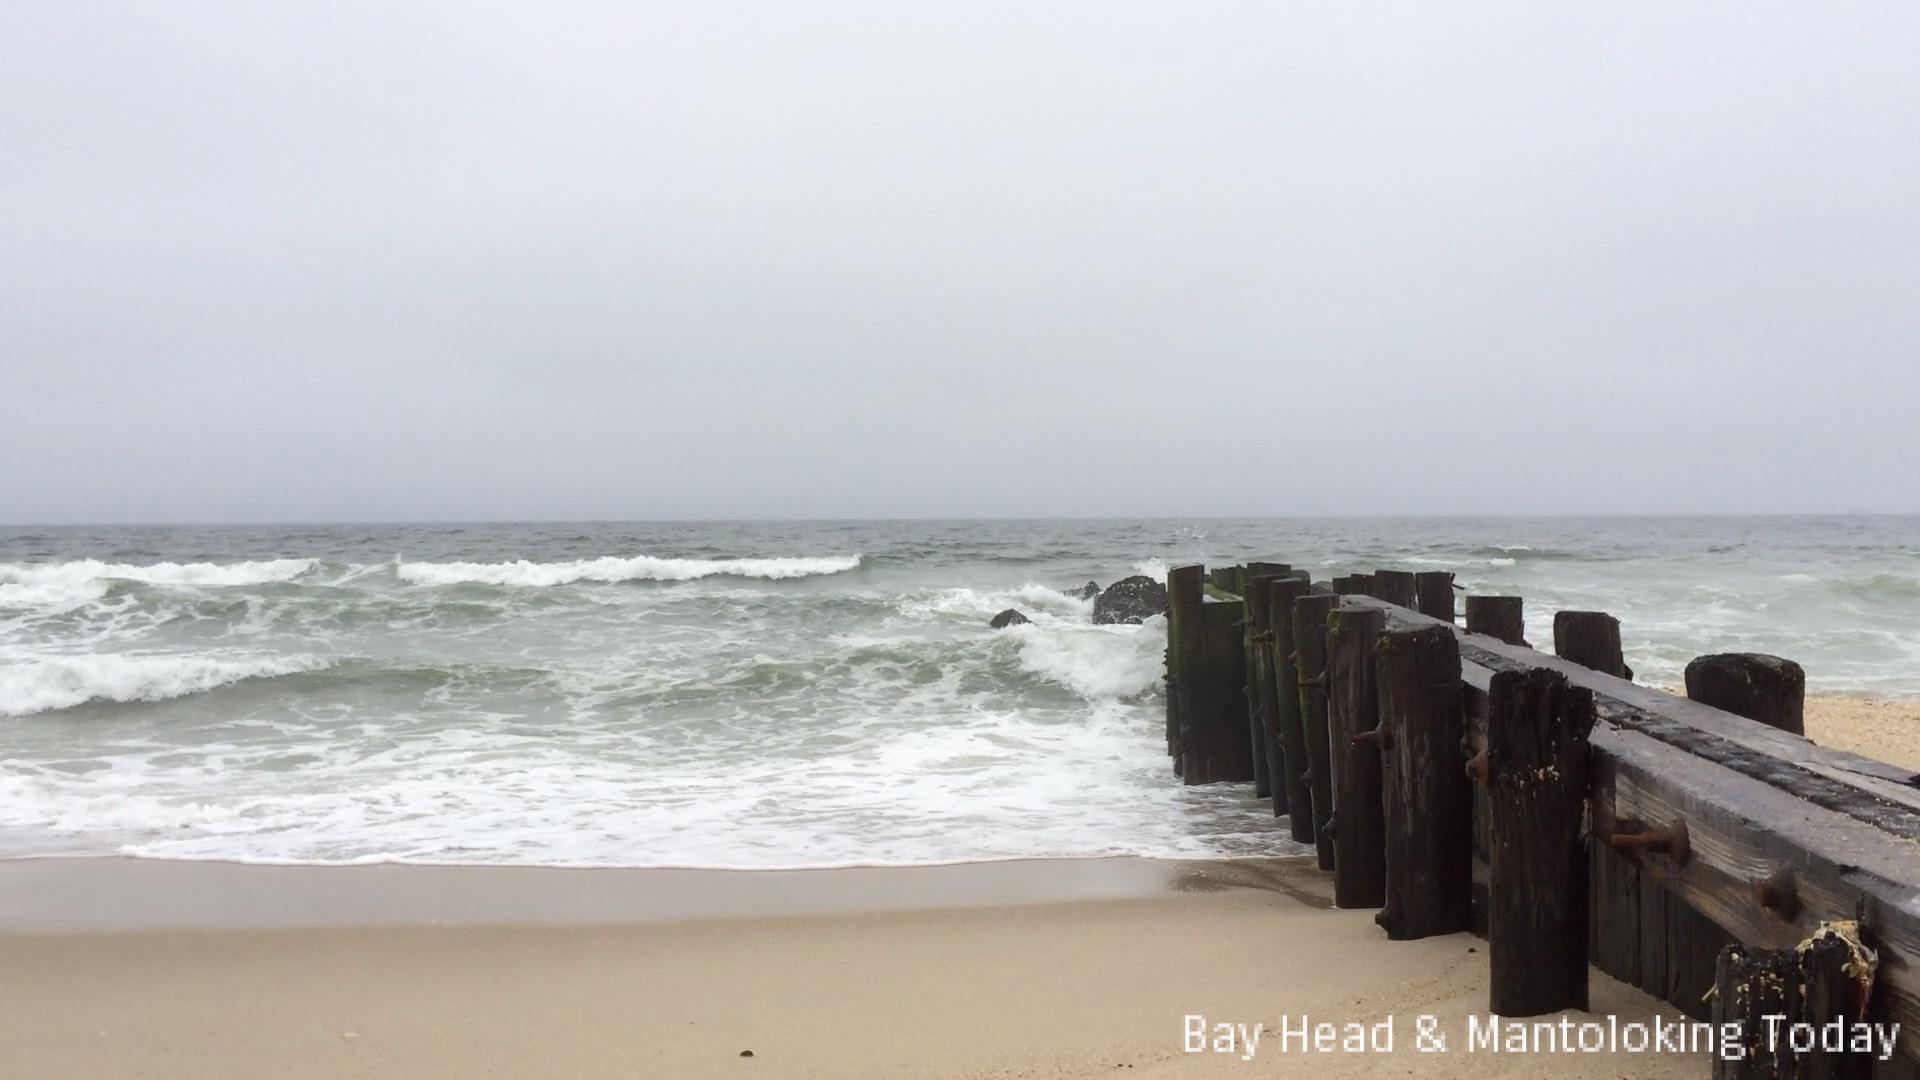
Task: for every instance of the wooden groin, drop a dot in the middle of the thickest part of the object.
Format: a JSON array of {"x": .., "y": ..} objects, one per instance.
[{"x": 1454, "y": 777}]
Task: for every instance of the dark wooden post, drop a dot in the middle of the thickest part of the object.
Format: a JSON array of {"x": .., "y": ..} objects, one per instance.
[
  {"x": 1228, "y": 578},
  {"x": 1184, "y": 597},
  {"x": 1749, "y": 986},
  {"x": 1260, "y": 682},
  {"x": 1590, "y": 639},
  {"x": 1759, "y": 687},
  {"x": 1206, "y": 661},
  {"x": 1221, "y": 747},
  {"x": 1359, "y": 829},
  {"x": 1429, "y": 807},
  {"x": 1353, "y": 585},
  {"x": 1433, "y": 591},
  {"x": 1291, "y": 795},
  {"x": 1836, "y": 977},
  {"x": 1537, "y": 731},
  {"x": 1498, "y": 617},
  {"x": 1310, "y": 661},
  {"x": 1394, "y": 586}
]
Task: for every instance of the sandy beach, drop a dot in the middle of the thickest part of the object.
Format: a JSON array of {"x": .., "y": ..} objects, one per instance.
[
  {"x": 1074, "y": 988},
  {"x": 1883, "y": 728}
]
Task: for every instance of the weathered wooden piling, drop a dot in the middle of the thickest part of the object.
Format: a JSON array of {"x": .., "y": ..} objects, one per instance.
[
  {"x": 1353, "y": 585},
  {"x": 1394, "y": 586},
  {"x": 1433, "y": 594},
  {"x": 1358, "y": 822},
  {"x": 1310, "y": 662},
  {"x": 1761, "y": 995},
  {"x": 1206, "y": 667},
  {"x": 1227, "y": 578},
  {"x": 1836, "y": 981},
  {"x": 1288, "y": 754},
  {"x": 1429, "y": 815},
  {"x": 1536, "y": 774},
  {"x": 1184, "y": 597},
  {"x": 1497, "y": 616},
  {"x": 1759, "y": 687},
  {"x": 1751, "y": 985},
  {"x": 1590, "y": 639},
  {"x": 1260, "y": 675}
]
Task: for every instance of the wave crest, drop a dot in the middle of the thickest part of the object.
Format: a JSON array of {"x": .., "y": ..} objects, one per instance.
[
  {"x": 1098, "y": 663},
  {"x": 611, "y": 569},
  {"x": 45, "y": 684},
  {"x": 82, "y": 580}
]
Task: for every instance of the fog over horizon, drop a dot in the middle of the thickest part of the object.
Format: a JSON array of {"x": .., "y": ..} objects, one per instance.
[{"x": 352, "y": 262}]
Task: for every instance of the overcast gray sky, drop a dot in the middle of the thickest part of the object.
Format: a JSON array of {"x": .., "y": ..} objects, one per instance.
[{"x": 451, "y": 260}]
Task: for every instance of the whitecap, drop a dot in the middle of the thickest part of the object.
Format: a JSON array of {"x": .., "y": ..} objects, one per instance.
[
  {"x": 611, "y": 569},
  {"x": 83, "y": 580},
  {"x": 42, "y": 684},
  {"x": 1096, "y": 662}
]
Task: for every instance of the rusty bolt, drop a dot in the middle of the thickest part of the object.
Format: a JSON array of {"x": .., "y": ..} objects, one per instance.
[
  {"x": 1670, "y": 841},
  {"x": 1379, "y": 737},
  {"x": 1777, "y": 893}
]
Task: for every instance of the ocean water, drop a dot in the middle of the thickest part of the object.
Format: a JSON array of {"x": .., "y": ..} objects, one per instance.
[{"x": 757, "y": 694}]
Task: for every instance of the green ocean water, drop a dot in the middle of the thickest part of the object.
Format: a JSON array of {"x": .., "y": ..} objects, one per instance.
[{"x": 757, "y": 694}]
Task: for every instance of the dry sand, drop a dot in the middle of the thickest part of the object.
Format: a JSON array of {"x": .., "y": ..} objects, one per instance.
[
  {"x": 1060, "y": 989},
  {"x": 1882, "y": 728}
]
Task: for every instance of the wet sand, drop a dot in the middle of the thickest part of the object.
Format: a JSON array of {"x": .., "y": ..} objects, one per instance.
[
  {"x": 1057, "y": 988},
  {"x": 114, "y": 894}
]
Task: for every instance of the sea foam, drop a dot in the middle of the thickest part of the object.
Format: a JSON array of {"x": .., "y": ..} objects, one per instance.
[
  {"x": 42, "y": 684},
  {"x": 1097, "y": 662},
  {"x": 610, "y": 569},
  {"x": 82, "y": 580}
]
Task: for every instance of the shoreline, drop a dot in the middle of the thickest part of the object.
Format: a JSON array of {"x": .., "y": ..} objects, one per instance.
[{"x": 117, "y": 894}]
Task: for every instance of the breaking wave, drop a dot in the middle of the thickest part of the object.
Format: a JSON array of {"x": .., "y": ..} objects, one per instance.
[
  {"x": 1099, "y": 663},
  {"x": 44, "y": 684},
  {"x": 610, "y": 569},
  {"x": 42, "y": 584}
]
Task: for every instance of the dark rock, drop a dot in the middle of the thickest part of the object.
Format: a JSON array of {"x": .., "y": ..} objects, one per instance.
[
  {"x": 1130, "y": 600},
  {"x": 1009, "y": 617},
  {"x": 1085, "y": 592}
]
